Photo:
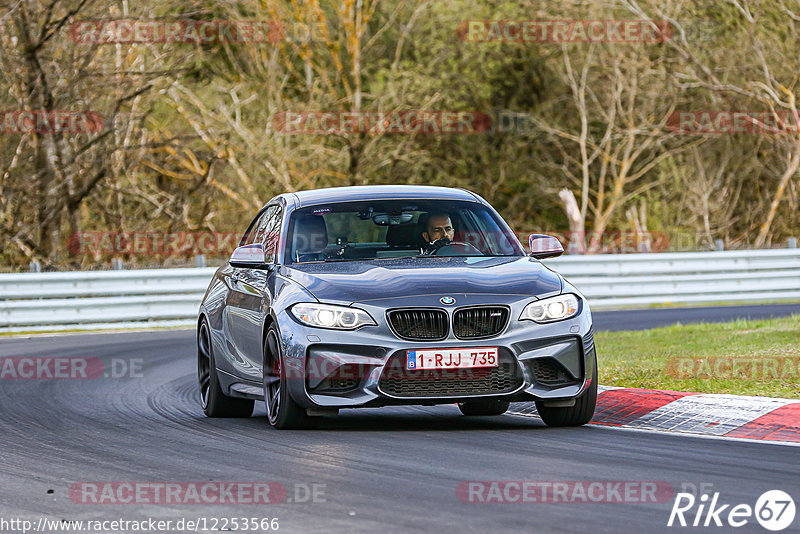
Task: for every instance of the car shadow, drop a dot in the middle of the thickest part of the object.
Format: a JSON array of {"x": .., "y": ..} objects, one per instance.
[{"x": 416, "y": 418}]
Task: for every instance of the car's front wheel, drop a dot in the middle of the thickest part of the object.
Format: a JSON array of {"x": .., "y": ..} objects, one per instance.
[
  {"x": 577, "y": 415},
  {"x": 282, "y": 411},
  {"x": 214, "y": 402},
  {"x": 483, "y": 407}
]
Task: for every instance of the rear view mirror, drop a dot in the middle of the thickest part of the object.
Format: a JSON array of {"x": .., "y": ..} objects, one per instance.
[
  {"x": 248, "y": 256},
  {"x": 392, "y": 219},
  {"x": 545, "y": 246}
]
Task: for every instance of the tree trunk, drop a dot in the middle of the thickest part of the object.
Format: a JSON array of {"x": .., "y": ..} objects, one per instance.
[
  {"x": 791, "y": 169},
  {"x": 577, "y": 235}
]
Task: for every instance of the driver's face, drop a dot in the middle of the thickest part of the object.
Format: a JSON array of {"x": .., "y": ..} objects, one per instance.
[{"x": 439, "y": 227}]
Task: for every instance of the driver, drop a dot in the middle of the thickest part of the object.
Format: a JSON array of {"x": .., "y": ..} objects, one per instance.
[{"x": 439, "y": 227}]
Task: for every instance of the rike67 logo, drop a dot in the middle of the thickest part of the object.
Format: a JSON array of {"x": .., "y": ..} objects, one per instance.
[{"x": 774, "y": 510}]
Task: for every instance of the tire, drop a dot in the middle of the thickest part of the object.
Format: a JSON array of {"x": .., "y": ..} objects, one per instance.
[
  {"x": 483, "y": 407},
  {"x": 577, "y": 415},
  {"x": 283, "y": 412},
  {"x": 214, "y": 402}
]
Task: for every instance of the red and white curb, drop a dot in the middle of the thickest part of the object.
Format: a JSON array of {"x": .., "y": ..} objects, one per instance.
[{"x": 711, "y": 414}]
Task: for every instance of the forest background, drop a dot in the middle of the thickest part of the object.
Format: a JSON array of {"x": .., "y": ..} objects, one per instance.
[{"x": 582, "y": 142}]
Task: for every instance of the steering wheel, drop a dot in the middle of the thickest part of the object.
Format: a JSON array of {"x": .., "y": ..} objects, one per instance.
[{"x": 440, "y": 244}]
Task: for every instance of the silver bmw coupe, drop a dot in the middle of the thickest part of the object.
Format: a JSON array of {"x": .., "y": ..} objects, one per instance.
[{"x": 392, "y": 295}]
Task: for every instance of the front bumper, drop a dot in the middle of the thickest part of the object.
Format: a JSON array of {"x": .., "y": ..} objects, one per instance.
[{"x": 348, "y": 369}]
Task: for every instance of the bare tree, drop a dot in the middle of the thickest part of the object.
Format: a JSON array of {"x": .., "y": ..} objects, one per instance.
[
  {"x": 53, "y": 174},
  {"x": 612, "y": 135},
  {"x": 765, "y": 74}
]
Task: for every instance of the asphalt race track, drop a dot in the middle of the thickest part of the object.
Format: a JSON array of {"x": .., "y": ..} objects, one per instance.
[{"x": 379, "y": 470}]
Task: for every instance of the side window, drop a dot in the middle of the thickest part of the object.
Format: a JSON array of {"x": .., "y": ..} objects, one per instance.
[
  {"x": 269, "y": 232},
  {"x": 250, "y": 235}
]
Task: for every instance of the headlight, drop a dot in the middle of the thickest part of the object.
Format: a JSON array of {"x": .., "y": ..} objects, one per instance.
[
  {"x": 550, "y": 310},
  {"x": 329, "y": 316}
]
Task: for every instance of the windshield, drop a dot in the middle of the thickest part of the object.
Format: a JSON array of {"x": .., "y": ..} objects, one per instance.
[{"x": 373, "y": 230}]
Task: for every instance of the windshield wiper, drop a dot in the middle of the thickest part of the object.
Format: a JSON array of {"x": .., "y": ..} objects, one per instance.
[{"x": 459, "y": 256}]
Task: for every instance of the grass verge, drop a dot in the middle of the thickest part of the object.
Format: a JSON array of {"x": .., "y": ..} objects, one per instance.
[
  {"x": 760, "y": 357},
  {"x": 143, "y": 328}
]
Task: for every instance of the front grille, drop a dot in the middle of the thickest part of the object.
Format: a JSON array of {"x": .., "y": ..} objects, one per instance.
[
  {"x": 547, "y": 371},
  {"x": 479, "y": 322},
  {"x": 423, "y": 324},
  {"x": 396, "y": 380}
]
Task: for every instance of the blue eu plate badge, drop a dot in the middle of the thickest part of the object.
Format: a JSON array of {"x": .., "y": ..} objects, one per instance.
[{"x": 412, "y": 359}]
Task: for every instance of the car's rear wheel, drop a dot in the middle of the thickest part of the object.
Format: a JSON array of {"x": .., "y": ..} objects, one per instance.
[
  {"x": 577, "y": 415},
  {"x": 483, "y": 407},
  {"x": 282, "y": 412},
  {"x": 214, "y": 402}
]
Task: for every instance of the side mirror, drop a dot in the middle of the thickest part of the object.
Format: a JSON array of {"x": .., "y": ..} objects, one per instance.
[
  {"x": 251, "y": 256},
  {"x": 545, "y": 246}
]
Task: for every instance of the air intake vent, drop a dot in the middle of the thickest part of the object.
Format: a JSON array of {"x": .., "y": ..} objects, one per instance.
[
  {"x": 588, "y": 341},
  {"x": 548, "y": 372}
]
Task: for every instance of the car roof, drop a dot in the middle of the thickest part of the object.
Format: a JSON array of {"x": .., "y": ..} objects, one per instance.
[{"x": 380, "y": 192}]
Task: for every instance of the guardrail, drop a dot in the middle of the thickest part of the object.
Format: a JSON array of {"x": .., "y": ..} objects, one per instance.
[
  {"x": 170, "y": 297},
  {"x": 101, "y": 299},
  {"x": 683, "y": 278}
]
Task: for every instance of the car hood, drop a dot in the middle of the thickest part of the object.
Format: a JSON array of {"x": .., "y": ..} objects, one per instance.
[{"x": 360, "y": 281}]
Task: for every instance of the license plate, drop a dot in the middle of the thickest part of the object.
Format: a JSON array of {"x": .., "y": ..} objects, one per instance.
[{"x": 452, "y": 358}]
